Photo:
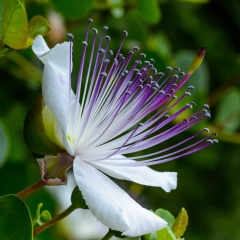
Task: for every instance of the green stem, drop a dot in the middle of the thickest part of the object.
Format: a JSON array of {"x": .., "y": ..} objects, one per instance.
[
  {"x": 33, "y": 188},
  {"x": 59, "y": 217},
  {"x": 108, "y": 235}
]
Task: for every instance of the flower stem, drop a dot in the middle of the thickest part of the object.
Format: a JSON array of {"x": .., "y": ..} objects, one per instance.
[
  {"x": 108, "y": 235},
  {"x": 33, "y": 188},
  {"x": 53, "y": 220}
]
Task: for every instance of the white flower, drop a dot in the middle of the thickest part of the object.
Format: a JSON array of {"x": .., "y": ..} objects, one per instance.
[{"x": 100, "y": 122}]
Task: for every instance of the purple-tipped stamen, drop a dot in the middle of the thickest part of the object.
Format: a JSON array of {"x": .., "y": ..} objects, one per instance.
[{"x": 118, "y": 96}]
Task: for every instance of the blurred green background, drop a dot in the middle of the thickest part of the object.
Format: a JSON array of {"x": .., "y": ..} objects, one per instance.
[{"x": 170, "y": 31}]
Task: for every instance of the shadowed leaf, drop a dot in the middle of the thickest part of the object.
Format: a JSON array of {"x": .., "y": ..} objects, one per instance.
[{"x": 15, "y": 220}]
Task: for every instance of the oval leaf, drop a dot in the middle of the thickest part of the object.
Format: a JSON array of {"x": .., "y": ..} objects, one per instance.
[
  {"x": 227, "y": 117},
  {"x": 15, "y": 25},
  {"x": 165, "y": 215},
  {"x": 38, "y": 25},
  {"x": 15, "y": 220},
  {"x": 150, "y": 10},
  {"x": 180, "y": 224}
]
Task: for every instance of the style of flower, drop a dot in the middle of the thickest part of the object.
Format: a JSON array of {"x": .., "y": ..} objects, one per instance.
[{"x": 117, "y": 109}]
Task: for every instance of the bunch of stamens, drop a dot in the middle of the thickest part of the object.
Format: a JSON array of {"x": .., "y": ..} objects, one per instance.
[{"x": 124, "y": 107}]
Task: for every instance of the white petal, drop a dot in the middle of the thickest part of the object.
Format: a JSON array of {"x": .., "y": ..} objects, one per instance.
[
  {"x": 111, "y": 205},
  {"x": 40, "y": 48},
  {"x": 139, "y": 174},
  {"x": 55, "y": 83}
]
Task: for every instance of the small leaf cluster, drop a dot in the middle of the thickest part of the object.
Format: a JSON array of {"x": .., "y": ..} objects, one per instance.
[
  {"x": 175, "y": 228},
  {"x": 16, "y": 32}
]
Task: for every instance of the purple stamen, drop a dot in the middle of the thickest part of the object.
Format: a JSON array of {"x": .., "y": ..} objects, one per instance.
[{"x": 117, "y": 96}]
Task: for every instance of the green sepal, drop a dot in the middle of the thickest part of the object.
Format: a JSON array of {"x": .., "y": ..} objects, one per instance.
[
  {"x": 117, "y": 234},
  {"x": 34, "y": 131},
  {"x": 77, "y": 199}
]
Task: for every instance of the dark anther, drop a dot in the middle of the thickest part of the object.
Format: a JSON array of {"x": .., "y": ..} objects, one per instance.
[
  {"x": 95, "y": 30},
  {"x": 101, "y": 50},
  {"x": 108, "y": 38},
  {"x": 206, "y": 130},
  {"x": 193, "y": 103},
  {"x": 103, "y": 74},
  {"x": 70, "y": 36},
  {"x": 206, "y": 105},
  {"x": 168, "y": 68},
  {"x": 85, "y": 43}
]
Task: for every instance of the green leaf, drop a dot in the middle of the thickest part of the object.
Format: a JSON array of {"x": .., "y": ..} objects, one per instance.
[
  {"x": 166, "y": 215},
  {"x": 165, "y": 234},
  {"x": 75, "y": 9},
  {"x": 150, "y": 10},
  {"x": 15, "y": 220},
  {"x": 38, "y": 25},
  {"x": 15, "y": 25},
  {"x": 228, "y": 110},
  {"x": 180, "y": 224}
]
